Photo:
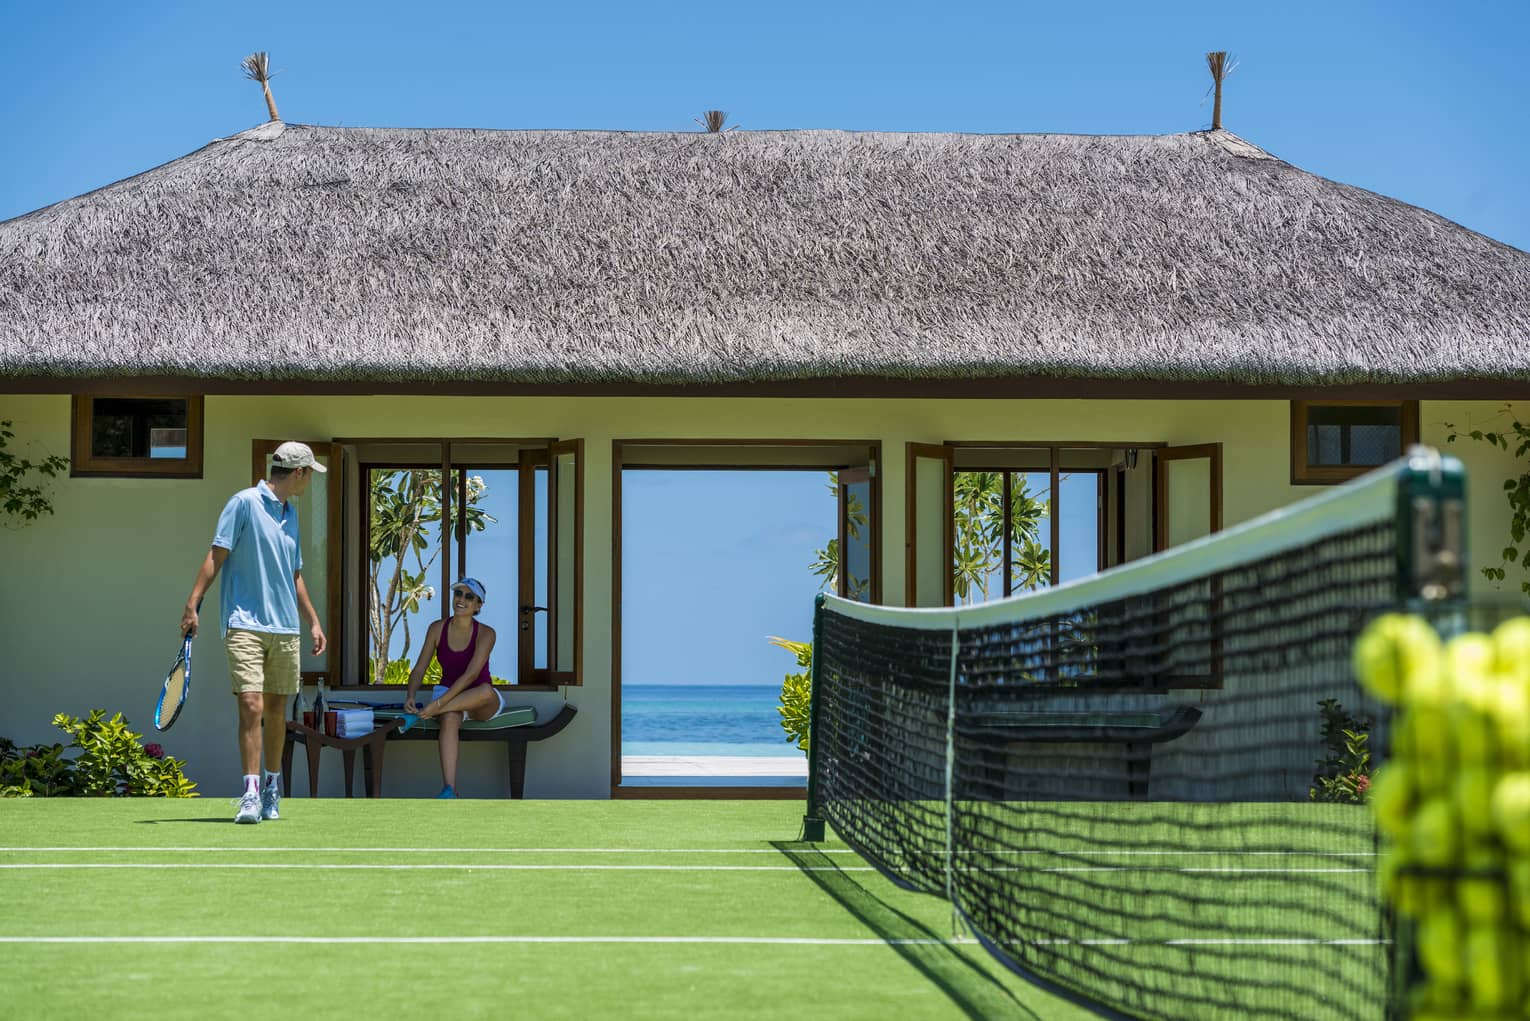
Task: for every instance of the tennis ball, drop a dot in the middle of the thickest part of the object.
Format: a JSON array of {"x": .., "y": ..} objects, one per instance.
[
  {"x": 1435, "y": 836},
  {"x": 1431, "y": 745},
  {"x": 1510, "y": 806},
  {"x": 1393, "y": 652},
  {"x": 1473, "y": 792},
  {"x": 1439, "y": 946},
  {"x": 1393, "y": 796},
  {"x": 1480, "y": 889},
  {"x": 1469, "y": 655},
  {"x": 1471, "y": 727},
  {"x": 1416, "y": 896},
  {"x": 1511, "y": 648},
  {"x": 1412, "y": 894},
  {"x": 1518, "y": 870},
  {"x": 1436, "y": 1001},
  {"x": 1510, "y": 711},
  {"x": 1485, "y": 966}
]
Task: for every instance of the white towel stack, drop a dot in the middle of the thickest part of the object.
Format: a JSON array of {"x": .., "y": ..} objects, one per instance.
[{"x": 353, "y": 722}]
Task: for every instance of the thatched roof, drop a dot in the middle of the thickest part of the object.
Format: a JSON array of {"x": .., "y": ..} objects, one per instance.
[{"x": 356, "y": 254}]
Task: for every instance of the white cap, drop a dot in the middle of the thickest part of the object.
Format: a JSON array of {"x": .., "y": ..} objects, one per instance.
[
  {"x": 472, "y": 586},
  {"x": 295, "y": 455}
]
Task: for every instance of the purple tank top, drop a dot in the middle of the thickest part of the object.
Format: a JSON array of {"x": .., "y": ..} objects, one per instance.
[{"x": 454, "y": 663}]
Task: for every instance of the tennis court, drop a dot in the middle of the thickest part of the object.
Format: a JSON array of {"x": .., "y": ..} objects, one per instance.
[
  {"x": 139, "y": 908},
  {"x": 1117, "y": 784},
  {"x": 165, "y": 909}
]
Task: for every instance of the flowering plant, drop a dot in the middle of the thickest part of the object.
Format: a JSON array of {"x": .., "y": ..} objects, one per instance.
[
  {"x": 1344, "y": 775},
  {"x": 109, "y": 761}
]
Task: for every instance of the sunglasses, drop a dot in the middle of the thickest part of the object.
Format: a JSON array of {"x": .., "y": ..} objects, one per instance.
[{"x": 459, "y": 593}]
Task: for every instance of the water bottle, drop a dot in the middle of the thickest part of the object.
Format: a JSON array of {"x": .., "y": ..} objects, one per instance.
[{"x": 319, "y": 705}]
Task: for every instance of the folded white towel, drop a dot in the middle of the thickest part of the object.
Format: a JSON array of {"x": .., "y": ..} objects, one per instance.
[{"x": 354, "y": 722}]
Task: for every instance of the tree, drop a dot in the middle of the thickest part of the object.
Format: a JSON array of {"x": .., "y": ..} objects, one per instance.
[
  {"x": 978, "y": 518},
  {"x": 826, "y": 560},
  {"x": 978, "y": 511},
  {"x": 1515, "y": 438},
  {"x": 978, "y": 504},
  {"x": 406, "y": 503},
  {"x": 22, "y": 500}
]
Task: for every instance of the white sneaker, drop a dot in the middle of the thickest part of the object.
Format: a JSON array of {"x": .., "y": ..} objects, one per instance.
[
  {"x": 270, "y": 801},
  {"x": 249, "y": 807}
]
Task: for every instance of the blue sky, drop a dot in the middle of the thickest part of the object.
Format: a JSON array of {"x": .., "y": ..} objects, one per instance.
[
  {"x": 1423, "y": 102},
  {"x": 1420, "y": 101}
]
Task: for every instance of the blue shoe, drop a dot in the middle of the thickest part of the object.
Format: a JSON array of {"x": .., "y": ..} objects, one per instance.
[
  {"x": 410, "y": 719},
  {"x": 270, "y": 802},
  {"x": 446, "y": 792}
]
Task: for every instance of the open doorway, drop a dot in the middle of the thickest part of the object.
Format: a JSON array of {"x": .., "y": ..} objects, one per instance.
[{"x": 720, "y": 548}]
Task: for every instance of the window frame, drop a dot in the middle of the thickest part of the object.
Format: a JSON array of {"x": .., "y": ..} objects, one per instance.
[
  {"x": 1056, "y": 468},
  {"x": 450, "y": 462},
  {"x": 1161, "y": 452},
  {"x": 1303, "y": 474},
  {"x": 84, "y": 464}
]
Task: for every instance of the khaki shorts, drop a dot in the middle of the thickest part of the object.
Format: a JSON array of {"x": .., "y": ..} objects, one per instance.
[{"x": 258, "y": 661}]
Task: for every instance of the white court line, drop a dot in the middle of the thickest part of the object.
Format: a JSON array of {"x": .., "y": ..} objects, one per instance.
[
  {"x": 1122, "y": 868},
  {"x": 86, "y": 848},
  {"x": 756, "y": 940},
  {"x": 1193, "y": 854},
  {"x": 452, "y": 866},
  {"x": 1083, "y": 853},
  {"x": 493, "y": 866}
]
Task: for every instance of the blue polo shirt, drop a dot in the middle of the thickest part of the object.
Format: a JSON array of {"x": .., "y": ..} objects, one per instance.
[{"x": 261, "y": 536}]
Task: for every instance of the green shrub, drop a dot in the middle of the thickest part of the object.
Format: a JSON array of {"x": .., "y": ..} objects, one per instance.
[
  {"x": 1344, "y": 774},
  {"x": 397, "y": 672},
  {"x": 797, "y": 693},
  {"x": 110, "y": 762}
]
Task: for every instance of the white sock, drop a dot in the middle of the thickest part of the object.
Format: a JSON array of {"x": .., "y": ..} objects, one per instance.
[
  {"x": 251, "y": 782},
  {"x": 273, "y": 779}
]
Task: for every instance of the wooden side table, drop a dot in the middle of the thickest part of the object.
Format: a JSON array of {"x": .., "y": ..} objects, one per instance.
[{"x": 314, "y": 741}]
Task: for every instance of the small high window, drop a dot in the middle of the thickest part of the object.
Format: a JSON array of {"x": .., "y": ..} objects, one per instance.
[
  {"x": 1334, "y": 441},
  {"x": 155, "y": 437}
]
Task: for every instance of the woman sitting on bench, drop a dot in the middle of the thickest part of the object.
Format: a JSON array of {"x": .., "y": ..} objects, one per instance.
[{"x": 461, "y": 645}]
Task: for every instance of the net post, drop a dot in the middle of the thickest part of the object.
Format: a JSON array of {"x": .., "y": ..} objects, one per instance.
[
  {"x": 1431, "y": 514},
  {"x": 812, "y": 820}
]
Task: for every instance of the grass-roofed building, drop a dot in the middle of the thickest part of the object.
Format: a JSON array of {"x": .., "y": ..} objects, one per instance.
[{"x": 1197, "y": 327}]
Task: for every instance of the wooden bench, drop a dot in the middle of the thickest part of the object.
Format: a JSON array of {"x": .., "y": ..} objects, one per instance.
[
  {"x": 1133, "y": 730},
  {"x": 511, "y": 728}
]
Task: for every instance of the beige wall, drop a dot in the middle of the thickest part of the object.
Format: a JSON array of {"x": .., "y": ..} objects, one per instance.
[{"x": 93, "y": 593}]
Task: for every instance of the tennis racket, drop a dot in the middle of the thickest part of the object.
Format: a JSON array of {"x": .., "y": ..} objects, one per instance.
[{"x": 177, "y": 686}]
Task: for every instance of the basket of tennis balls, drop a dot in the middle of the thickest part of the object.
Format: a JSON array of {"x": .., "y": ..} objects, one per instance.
[{"x": 1454, "y": 799}]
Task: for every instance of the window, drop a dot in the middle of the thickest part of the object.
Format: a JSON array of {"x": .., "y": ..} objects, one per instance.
[
  {"x": 992, "y": 520},
  {"x": 152, "y": 437},
  {"x": 509, "y": 513},
  {"x": 1334, "y": 441}
]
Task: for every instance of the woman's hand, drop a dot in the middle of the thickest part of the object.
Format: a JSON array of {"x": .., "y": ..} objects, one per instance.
[{"x": 410, "y": 705}]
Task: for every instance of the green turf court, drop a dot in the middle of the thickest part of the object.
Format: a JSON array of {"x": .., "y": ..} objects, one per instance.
[{"x": 544, "y": 909}]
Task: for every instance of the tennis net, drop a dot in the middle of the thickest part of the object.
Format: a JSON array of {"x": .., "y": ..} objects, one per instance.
[{"x": 1136, "y": 789}]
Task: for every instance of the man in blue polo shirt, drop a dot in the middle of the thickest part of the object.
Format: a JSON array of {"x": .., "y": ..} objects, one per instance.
[{"x": 262, "y": 594}]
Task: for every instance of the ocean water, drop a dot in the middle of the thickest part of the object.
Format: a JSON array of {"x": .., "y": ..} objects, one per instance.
[{"x": 703, "y": 719}]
